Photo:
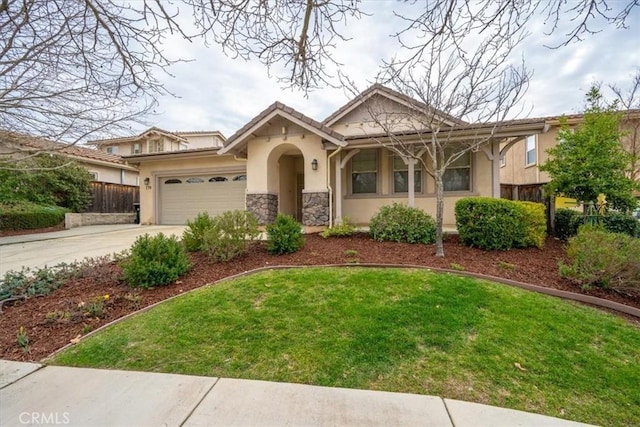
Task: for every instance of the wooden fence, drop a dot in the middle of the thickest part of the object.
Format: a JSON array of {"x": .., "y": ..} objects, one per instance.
[
  {"x": 113, "y": 198},
  {"x": 529, "y": 192}
]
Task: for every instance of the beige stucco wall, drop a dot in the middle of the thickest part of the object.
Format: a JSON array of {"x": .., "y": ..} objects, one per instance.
[
  {"x": 124, "y": 148},
  {"x": 113, "y": 174},
  {"x": 517, "y": 172},
  {"x": 155, "y": 169},
  {"x": 360, "y": 208},
  {"x": 203, "y": 141},
  {"x": 263, "y": 162}
]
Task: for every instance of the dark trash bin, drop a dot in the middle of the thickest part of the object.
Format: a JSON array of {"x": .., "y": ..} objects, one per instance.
[{"x": 136, "y": 209}]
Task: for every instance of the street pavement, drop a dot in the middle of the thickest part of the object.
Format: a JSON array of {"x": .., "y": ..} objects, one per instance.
[
  {"x": 38, "y": 250},
  {"x": 32, "y": 394}
]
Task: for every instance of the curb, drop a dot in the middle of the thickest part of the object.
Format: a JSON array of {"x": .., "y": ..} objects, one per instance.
[{"x": 572, "y": 296}]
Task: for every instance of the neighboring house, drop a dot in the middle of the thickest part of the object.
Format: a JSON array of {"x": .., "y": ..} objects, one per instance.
[
  {"x": 519, "y": 166},
  {"x": 103, "y": 167},
  {"x": 156, "y": 140},
  {"x": 319, "y": 172}
]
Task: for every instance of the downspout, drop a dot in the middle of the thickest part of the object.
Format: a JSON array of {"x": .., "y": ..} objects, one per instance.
[{"x": 329, "y": 185}]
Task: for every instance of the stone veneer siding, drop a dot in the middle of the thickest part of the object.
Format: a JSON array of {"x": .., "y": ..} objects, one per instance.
[
  {"x": 264, "y": 206},
  {"x": 315, "y": 208}
]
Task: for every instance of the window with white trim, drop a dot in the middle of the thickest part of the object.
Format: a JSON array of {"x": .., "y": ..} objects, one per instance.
[
  {"x": 457, "y": 177},
  {"x": 156, "y": 145},
  {"x": 364, "y": 172},
  {"x": 530, "y": 153},
  {"x": 135, "y": 148},
  {"x": 94, "y": 175},
  {"x": 401, "y": 176},
  {"x": 113, "y": 149}
]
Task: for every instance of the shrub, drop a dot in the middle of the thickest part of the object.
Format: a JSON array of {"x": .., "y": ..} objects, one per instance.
[
  {"x": 601, "y": 258},
  {"x": 284, "y": 235},
  {"x": 616, "y": 222},
  {"x": 400, "y": 223},
  {"x": 155, "y": 261},
  {"x": 536, "y": 223},
  {"x": 193, "y": 235},
  {"x": 567, "y": 222},
  {"x": 345, "y": 228},
  {"x": 230, "y": 235},
  {"x": 491, "y": 224},
  {"x": 27, "y": 216}
]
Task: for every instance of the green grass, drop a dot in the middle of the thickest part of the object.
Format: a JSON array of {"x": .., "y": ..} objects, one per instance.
[{"x": 390, "y": 329}]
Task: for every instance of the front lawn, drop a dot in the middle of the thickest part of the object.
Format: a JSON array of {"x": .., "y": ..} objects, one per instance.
[{"x": 390, "y": 329}]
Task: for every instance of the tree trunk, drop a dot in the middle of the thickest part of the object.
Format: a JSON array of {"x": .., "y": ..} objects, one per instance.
[{"x": 439, "y": 213}]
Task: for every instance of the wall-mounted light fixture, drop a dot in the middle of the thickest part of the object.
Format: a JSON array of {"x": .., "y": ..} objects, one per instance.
[
  {"x": 147, "y": 181},
  {"x": 314, "y": 164}
]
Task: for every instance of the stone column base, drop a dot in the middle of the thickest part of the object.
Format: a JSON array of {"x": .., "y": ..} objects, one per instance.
[
  {"x": 315, "y": 208},
  {"x": 264, "y": 206}
]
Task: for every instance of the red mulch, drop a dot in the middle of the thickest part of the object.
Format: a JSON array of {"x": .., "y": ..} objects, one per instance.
[
  {"x": 6, "y": 233},
  {"x": 534, "y": 266}
]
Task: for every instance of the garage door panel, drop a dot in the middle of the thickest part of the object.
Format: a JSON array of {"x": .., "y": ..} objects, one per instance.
[{"x": 183, "y": 197}]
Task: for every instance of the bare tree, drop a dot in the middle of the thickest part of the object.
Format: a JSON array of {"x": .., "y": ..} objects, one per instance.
[
  {"x": 630, "y": 122},
  {"x": 455, "y": 86}
]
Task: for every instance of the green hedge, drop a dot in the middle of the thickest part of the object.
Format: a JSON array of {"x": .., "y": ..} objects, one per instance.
[
  {"x": 536, "y": 223},
  {"x": 616, "y": 222},
  {"x": 492, "y": 224},
  {"x": 400, "y": 223},
  {"x": 567, "y": 222},
  {"x": 27, "y": 216}
]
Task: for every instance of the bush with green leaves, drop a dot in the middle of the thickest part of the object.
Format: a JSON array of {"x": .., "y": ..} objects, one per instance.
[
  {"x": 600, "y": 258},
  {"x": 155, "y": 261},
  {"x": 536, "y": 223},
  {"x": 229, "y": 235},
  {"x": 401, "y": 223},
  {"x": 47, "y": 180},
  {"x": 567, "y": 222},
  {"x": 193, "y": 235},
  {"x": 284, "y": 235},
  {"x": 491, "y": 224},
  {"x": 21, "y": 215},
  {"x": 344, "y": 229},
  {"x": 617, "y": 222}
]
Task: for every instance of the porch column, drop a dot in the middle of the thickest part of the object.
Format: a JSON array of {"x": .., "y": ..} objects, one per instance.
[
  {"x": 495, "y": 169},
  {"x": 338, "y": 189},
  {"x": 411, "y": 190}
]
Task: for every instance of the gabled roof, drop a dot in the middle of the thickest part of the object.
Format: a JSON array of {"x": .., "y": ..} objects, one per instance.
[
  {"x": 153, "y": 129},
  {"x": 378, "y": 89},
  {"x": 278, "y": 109},
  {"x": 200, "y": 132},
  {"x": 35, "y": 144}
]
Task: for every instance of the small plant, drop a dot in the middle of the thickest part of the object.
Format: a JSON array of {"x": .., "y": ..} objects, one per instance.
[
  {"x": 567, "y": 222},
  {"x": 58, "y": 317},
  {"x": 230, "y": 235},
  {"x": 134, "y": 301},
  {"x": 506, "y": 265},
  {"x": 284, "y": 235},
  {"x": 155, "y": 261},
  {"x": 352, "y": 256},
  {"x": 457, "y": 267},
  {"x": 23, "y": 339},
  {"x": 95, "y": 307},
  {"x": 400, "y": 223},
  {"x": 193, "y": 235},
  {"x": 344, "y": 229},
  {"x": 86, "y": 328}
]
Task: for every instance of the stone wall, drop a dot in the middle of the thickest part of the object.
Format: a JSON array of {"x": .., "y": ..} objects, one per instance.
[
  {"x": 73, "y": 220},
  {"x": 264, "y": 206},
  {"x": 315, "y": 209}
]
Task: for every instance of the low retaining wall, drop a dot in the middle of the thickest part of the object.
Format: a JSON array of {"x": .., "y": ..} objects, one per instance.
[{"x": 73, "y": 220}]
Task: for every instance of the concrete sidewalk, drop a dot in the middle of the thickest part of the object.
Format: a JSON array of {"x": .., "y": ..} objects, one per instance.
[
  {"x": 33, "y": 394},
  {"x": 38, "y": 250}
]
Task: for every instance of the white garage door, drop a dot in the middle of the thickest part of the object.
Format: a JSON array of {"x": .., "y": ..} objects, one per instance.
[{"x": 183, "y": 197}]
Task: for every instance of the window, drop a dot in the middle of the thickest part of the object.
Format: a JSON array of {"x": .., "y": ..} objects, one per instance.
[
  {"x": 173, "y": 181},
  {"x": 94, "y": 175},
  {"x": 135, "y": 148},
  {"x": 218, "y": 179},
  {"x": 530, "y": 156},
  {"x": 503, "y": 161},
  {"x": 457, "y": 177},
  {"x": 112, "y": 149},
  {"x": 156, "y": 145},
  {"x": 195, "y": 180},
  {"x": 401, "y": 176},
  {"x": 183, "y": 146},
  {"x": 240, "y": 178},
  {"x": 364, "y": 172}
]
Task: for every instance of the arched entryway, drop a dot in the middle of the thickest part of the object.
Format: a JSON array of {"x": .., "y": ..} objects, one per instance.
[{"x": 285, "y": 175}]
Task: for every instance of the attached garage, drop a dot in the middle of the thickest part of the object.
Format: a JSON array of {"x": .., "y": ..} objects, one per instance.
[{"x": 183, "y": 197}]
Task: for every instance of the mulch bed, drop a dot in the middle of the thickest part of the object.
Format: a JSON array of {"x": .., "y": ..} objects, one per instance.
[
  {"x": 7, "y": 233},
  {"x": 48, "y": 330}
]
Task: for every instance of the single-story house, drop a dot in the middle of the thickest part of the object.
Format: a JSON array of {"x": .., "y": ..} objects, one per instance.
[
  {"x": 103, "y": 167},
  {"x": 319, "y": 172}
]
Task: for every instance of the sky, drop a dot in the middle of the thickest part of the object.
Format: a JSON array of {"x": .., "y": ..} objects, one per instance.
[{"x": 215, "y": 92}]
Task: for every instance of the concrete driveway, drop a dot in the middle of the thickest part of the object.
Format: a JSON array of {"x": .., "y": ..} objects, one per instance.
[{"x": 38, "y": 250}]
